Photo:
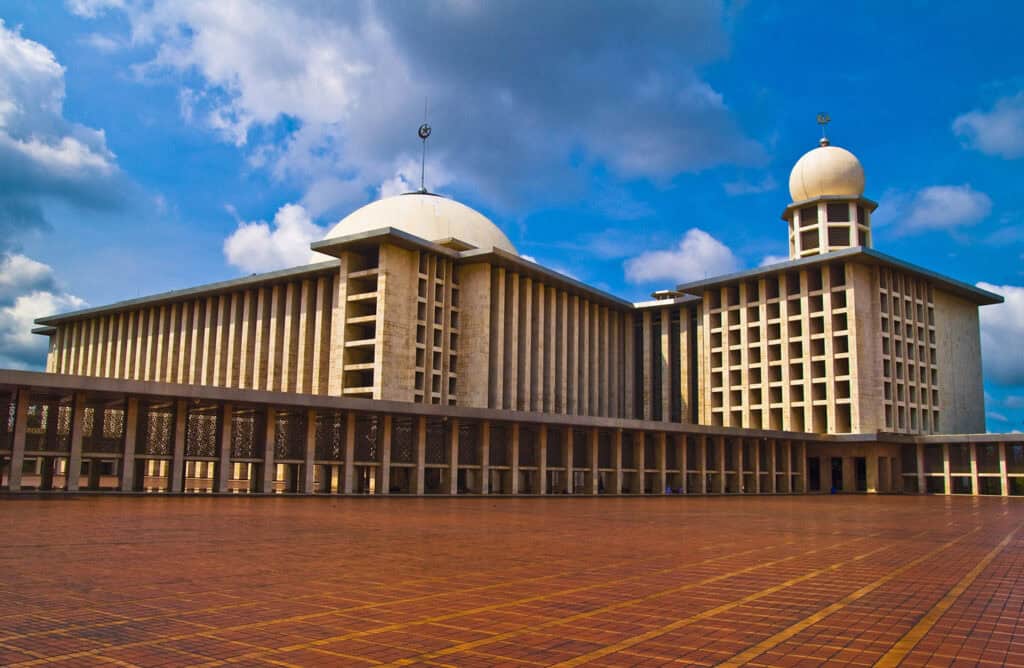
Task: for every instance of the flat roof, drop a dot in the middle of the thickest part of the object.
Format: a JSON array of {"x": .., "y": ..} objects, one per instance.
[{"x": 855, "y": 254}]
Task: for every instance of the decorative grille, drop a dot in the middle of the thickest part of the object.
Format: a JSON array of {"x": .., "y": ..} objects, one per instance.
[
  {"x": 245, "y": 433},
  {"x": 290, "y": 435},
  {"x": 157, "y": 428},
  {"x": 403, "y": 447},
  {"x": 501, "y": 445},
  {"x": 330, "y": 436},
  {"x": 109, "y": 436},
  {"x": 201, "y": 434},
  {"x": 437, "y": 447},
  {"x": 367, "y": 439},
  {"x": 469, "y": 443}
]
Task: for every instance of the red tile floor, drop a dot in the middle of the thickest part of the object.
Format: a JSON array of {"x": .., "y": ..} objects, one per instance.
[{"x": 761, "y": 581}]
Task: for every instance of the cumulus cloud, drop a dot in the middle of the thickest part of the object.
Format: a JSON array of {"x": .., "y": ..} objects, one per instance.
[
  {"x": 260, "y": 246},
  {"x": 944, "y": 207},
  {"x": 697, "y": 256},
  {"x": 769, "y": 260},
  {"x": 43, "y": 156},
  {"x": 523, "y": 96},
  {"x": 997, "y": 131},
  {"x": 28, "y": 290},
  {"x": 1002, "y": 330}
]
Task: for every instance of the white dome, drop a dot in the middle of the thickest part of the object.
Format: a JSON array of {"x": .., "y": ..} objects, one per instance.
[
  {"x": 427, "y": 216},
  {"x": 826, "y": 170}
]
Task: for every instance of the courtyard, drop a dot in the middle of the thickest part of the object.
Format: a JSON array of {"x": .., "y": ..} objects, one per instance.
[{"x": 770, "y": 581}]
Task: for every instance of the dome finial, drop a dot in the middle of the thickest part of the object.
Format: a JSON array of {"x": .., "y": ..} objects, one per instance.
[
  {"x": 424, "y": 134},
  {"x": 823, "y": 120}
]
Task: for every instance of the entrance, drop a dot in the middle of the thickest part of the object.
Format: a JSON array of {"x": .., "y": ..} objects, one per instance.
[
  {"x": 837, "y": 474},
  {"x": 860, "y": 469},
  {"x": 814, "y": 474}
]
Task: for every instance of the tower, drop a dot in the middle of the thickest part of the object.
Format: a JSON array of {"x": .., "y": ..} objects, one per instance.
[{"x": 828, "y": 211}]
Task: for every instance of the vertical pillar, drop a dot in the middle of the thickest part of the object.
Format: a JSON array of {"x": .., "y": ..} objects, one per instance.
[
  {"x": 639, "y": 460},
  {"x": 384, "y": 470},
  {"x": 348, "y": 466},
  {"x": 757, "y": 465},
  {"x": 421, "y": 456},
  {"x": 702, "y": 465},
  {"x": 974, "y": 469},
  {"x": 453, "y": 456},
  {"x": 18, "y": 443},
  {"x": 802, "y": 464},
  {"x": 485, "y": 457},
  {"x": 131, "y": 425},
  {"x": 788, "y": 450},
  {"x": 594, "y": 461},
  {"x": 921, "y": 488},
  {"x": 740, "y": 465},
  {"x": 567, "y": 453},
  {"x": 309, "y": 456},
  {"x": 871, "y": 464},
  {"x": 542, "y": 459},
  {"x": 1004, "y": 479},
  {"x": 661, "y": 454},
  {"x": 681, "y": 457},
  {"x": 177, "y": 473},
  {"x": 722, "y": 486},
  {"x": 514, "y": 456},
  {"x": 269, "y": 434},
  {"x": 74, "y": 471},
  {"x": 617, "y": 461},
  {"x": 947, "y": 481},
  {"x": 224, "y": 424},
  {"x": 773, "y": 463}
]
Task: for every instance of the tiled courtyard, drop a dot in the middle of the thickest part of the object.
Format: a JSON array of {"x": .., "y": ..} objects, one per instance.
[{"x": 781, "y": 581}]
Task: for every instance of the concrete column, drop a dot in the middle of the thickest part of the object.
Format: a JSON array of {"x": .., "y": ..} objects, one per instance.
[
  {"x": 131, "y": 426},
  {"x": 348, "y": 466},
  {"x": 485, "y": 457},
  {"x": 542, "y": 459},
  {"x": 740, "y": 465},
  {"x": 921, "y": 488},
  {"x": 269, "y": 432},
  {"x": 680, "y": 443},
  {"x": 617, "y": 461},
  {"x": 177, "y": 472},
  {"x": 788, "y": 450},
  {"x": 722, "y": 486},
  {"x": 757, "y": 465},
  {"x": 224, "y": 425},
  {"x": 594, "y": 463},
  {"x": 567, "y": 452},
  {"x": 702, "y": 465},
  {"x": 384, "y": 470},
  {"x": 849, "y": 475},
  {"x": 421, "y": 456},
  {"x": 639, "y": 460},
  {"x": 802, "y": 467},
  {"x": 453, "y": 456},
  {"x": 947, "y": 481},
  {"x": 18, "y": 442},
  {"x": 773, "y": 484},
  {"x": 1004, "y": 479},
  {"x": 514, "y": 458},
  {"x": 661, "y": 454},
  {"x": 309, "y": 456},
  {"x": 974, "y": 469},
  {"x": 74, "y": 471},
  {"x": 871, "y": 463}
]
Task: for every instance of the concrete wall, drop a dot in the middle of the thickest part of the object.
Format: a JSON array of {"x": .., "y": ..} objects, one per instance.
[{"x": 958, "y": 339}]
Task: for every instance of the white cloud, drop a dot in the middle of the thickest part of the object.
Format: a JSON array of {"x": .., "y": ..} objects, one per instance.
[
  {"x": 28, "y": 290},
  {"x": 744, "y": 187},
  {"x": 522, "y": 95},
  {"x": 697, "y": 256},
  {"x": 92, "y": 8},
  {"x": 998, "y": 417},
  {"x": 944, "y": 207},
  {"x": 1002, "y": 330},
  {"x": 102, "y": 43},
  {"x": 769, "y": 260},
  {"x": 999, "y": 131},
  {"x": 258, "y": 246}
]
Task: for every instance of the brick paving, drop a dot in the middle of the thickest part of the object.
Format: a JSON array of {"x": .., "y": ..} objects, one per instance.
[{"x": 760, "y": 581}]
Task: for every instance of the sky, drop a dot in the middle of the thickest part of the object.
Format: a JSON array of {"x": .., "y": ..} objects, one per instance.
[{"x": 151, "y": 146}]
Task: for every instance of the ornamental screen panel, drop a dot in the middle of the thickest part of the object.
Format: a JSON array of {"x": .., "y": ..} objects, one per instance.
[
  {"x": 201, "y": 432},
  {"x": 156, "y": 421},
  {"x": 330, "y": 436},
  {"x": 290, "y": 435},
  {"x": 403, "y": 440},
  {"x": 246, "y": 432}
]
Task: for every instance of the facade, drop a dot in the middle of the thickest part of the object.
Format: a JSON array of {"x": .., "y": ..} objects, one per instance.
[{"x": 822, "y": 372}]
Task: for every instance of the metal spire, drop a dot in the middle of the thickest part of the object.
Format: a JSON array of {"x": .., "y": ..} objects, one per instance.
[
  {"x": 424, "y": 133},
  {"x": 823, "y": 120}
]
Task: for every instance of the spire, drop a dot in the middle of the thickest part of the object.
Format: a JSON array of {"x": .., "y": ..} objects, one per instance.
[
  {"x": 823, "y": 120},
  {"x": 424, "y": 134}
]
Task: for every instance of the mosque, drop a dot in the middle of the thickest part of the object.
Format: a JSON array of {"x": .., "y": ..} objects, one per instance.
[{"x": 419, "y": 353}]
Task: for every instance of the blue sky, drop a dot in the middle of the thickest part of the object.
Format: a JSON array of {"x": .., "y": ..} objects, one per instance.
[{"x": 137, "y": 138}]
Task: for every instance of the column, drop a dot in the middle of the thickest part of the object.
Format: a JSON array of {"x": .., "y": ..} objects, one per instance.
[
  {"x": 514, "y": 458},
  {"x": 74, "y": 471},
  {"x": 567, "y": 452},
  {"x": 593, "y": 457},
  {"x": 542, "y": 459},
  {"x": 308, "y": 467},
  {"x": 485, "y": 457},
  {"x": 702, "y": 465},
  {"x": 131, "y": 424},
  {"x": 639, "y": 460},
  {"x": 788, "y": 450},
  {"x": 681, "y": 457},
  {"x": 384, "y": 470},
  {"x": 947, "y": 482},
  {"x": 871, "y": 463},
  {"x": 1004, "y": 479},
  {"x": 921, "y": 489},
  {"x": 773, "y": 462},
  {"x": 974, "y": 469},
  {"x": 757, "y": 466},
  {"x": 177, "y": 470},
  {"x": 617, "y": 461},
  {"x": 740, "y": 465},
  {"x": 453, "y": 456},
  {"x": 722, "y": 486},
  {"x": 348, "y": 466},
  {"x": 661, "y": 455},
  {"x": 269, "y": 434},
  {"x": 224, "y": 425},
  {"x": 802, "y": 464},
  {"x": 421, "y": 456},
  {"x": 18, "y": 443}
]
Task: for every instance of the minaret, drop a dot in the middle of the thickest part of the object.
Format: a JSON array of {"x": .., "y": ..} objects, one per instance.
[{"x": 829, "y": 211}]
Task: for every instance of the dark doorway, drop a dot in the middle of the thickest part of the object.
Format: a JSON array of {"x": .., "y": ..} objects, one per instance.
[
  {"x": 837, "y": 474},
  {"x": 860, "y": 468},
  {"x": 814, "y": 474}
]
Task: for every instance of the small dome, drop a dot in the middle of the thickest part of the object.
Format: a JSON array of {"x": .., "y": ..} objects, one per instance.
[
  {"x": 826, "y": 170},
  {"x": 424, "y": 215}
]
